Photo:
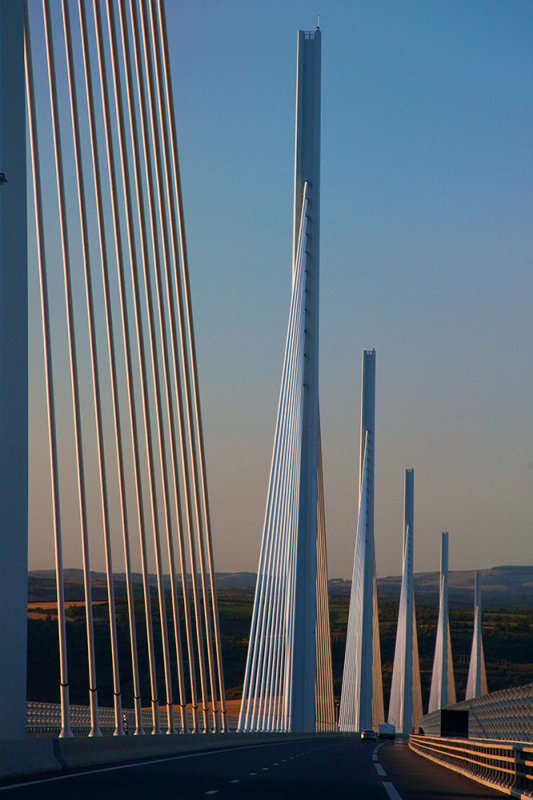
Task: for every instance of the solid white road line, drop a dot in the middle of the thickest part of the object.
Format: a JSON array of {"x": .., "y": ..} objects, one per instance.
[
  {"x": 391, "y": 791},
  {"x": 134, "y": 765}
]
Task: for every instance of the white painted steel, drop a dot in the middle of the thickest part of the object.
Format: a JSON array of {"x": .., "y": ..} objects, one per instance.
[
  {"x": 350, "y": 705},
  {"x": 94, "y": 364},
  {"x": 197, "y": 485},
  {"x": 115, "y": 220},
  {"x": 146, "y": 257},
  {"x": 112, "y": 355},
  {"x": 442, "y": 691},
  {"x": 476, "y": 684},
  {"x": 307, "y": 168},
  {"x": 362, "y": 688},
  {"x": 266, "y": 701},
  {"x": 324, "y": 700},
  {"x": 126, "y": 255},
  {"x": 155, "y": 175},
  {"x": 36, "y": 174},
  {"x": 288, "y": 680},
  {"x": 405, "y": 706},
  {"x": 81, "y": 486},
  {"x": 13, "y": 371}
]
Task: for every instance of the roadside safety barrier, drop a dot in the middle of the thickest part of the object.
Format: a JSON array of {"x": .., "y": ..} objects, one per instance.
[{"x": 504, "y": 766}]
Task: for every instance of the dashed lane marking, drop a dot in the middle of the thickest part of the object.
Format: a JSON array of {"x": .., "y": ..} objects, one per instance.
[
  {"x": 212, "y": 791},
  {"x": 391, "y": 790},
  {"x": 252, "y": 773},
  {"x": 236, "y": 780},
  {"x": 135, "y": 765},
  {"x": 379, "y": 769}
]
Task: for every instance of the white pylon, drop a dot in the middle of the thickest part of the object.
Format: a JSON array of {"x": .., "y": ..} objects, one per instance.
[
  {"x": 442, "y": 692},
  {"x": 477, "y": 677},
  {"x": 362, "y": 688},
  {"x": 405, "y": 706},
  {"x": 13, "y": 373},
  {"x": 288, "y": 671}
]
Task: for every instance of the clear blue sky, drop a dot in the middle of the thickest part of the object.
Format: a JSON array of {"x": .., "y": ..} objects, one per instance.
[{"x": 426, "y": 254}]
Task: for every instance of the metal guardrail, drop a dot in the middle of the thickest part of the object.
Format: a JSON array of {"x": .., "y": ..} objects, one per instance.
[
  {"x": 506, "y": 715},
  {"x": 504, "y": 766},
  {"x": 44, "y": 719}
]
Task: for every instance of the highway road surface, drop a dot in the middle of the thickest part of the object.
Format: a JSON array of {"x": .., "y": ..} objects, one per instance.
[{"x": 334, "y": 766}]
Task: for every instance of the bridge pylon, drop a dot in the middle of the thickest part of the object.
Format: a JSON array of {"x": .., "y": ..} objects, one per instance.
[
  {"x": 476, "y": 684},
  {"x": 405, "y": 707},
  {"x": 362, "y": 687},
  {"x": 13, "y": 373},
  {"x": 288, "y": 684},
  {"x": 442, "y": 691}
]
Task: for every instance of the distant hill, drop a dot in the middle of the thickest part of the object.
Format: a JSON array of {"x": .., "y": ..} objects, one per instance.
[{"x": 503, "y": 587}]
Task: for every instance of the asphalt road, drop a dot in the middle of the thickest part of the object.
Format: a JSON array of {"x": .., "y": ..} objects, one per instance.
[{"x": 336, "y": 767}]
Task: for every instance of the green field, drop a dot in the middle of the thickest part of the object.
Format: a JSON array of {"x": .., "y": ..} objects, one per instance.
[{"x": 507, "y": 635}]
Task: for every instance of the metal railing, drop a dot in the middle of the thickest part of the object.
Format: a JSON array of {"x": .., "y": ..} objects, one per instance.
[
  {"x": 507, "y": 767},
  {"x": 44, "y": 719},
  {"x": 506, "y": 715}
]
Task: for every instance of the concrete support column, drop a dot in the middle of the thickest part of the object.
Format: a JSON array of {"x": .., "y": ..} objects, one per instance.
[{"x": 13, "y": 373}]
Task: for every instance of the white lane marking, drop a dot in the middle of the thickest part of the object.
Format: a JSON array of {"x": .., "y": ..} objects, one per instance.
[
  {"x": 391, "y": 790},
  {"x": 212, "y": 791},
  {"x": 275, "y": 764},
  {"x": 252, "y": 773},
  {"x": 265, "y": 769},
  {"x": 379, "y": 769},
  {"x": 236, "y": 780}
]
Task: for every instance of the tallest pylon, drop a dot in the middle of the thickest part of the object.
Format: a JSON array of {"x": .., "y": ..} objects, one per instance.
[
  {"x": 288, "y": 684},
  {"x": 307, "y": 183}
]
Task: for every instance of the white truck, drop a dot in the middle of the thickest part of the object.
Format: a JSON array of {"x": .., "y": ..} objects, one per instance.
[{"x": 387, "y": 731}]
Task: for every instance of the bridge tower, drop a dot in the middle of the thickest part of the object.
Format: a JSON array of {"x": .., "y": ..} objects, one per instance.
[
  {"x": 442, "y": 691},
  {"x": 362, "y": 688},
  {"x": 13, "y": 372},
  {"x": 405, "y": 707},
  {"x": 477, "y": 677},
  {"x": 288, "y": 672}
]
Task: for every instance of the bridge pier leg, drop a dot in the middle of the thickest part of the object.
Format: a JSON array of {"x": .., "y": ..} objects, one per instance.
[{"x": 13, "y": 374}]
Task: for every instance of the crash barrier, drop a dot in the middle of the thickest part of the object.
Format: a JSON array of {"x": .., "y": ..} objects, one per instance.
[
  {"x": 506, "y": 715},
  {"x": 44, "y": 719},
  {"x": 37, "y": 756},
  {"x": 504, "y": 766}
]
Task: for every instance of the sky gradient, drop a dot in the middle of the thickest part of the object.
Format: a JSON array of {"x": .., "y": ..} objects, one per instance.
[{"x": 426, "y": 255}]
